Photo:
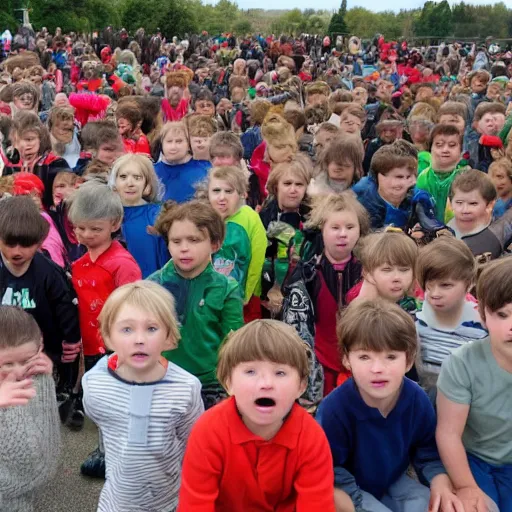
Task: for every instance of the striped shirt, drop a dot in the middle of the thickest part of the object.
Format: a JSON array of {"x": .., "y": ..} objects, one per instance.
[
  {"x": 145, "y": 428},
  {"x": 438, "y": 342}
]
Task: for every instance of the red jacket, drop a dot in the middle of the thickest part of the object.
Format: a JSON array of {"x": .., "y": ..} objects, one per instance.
[
  {"x": 227, "y": 468},
  {"x": 260, "y": 167},
  {"x": 88, "y": 107},
  {"x": 94, "y": 281},
  {"x": 141, "y": 145}
]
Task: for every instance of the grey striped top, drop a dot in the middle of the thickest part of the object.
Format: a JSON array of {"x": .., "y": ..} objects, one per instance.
[{"x": 145, "y": 428}]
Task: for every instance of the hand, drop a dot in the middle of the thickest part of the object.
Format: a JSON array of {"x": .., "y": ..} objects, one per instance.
[
  {"x": 70, "y": 351},
  {"x": 41, "y": 365},
  {"x": 14, "y": 392},
  {"x": 444, "y": 500},
  {"x": 473, "y": 499}
]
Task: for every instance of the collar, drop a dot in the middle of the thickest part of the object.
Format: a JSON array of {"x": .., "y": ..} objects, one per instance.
[{"x": 288, "y": 435}]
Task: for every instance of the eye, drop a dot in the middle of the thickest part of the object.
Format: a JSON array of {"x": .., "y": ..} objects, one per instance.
[
  {"x": 249, "y": 371},
  {"x": 363, "y": 357},
  {"x": 502, "y": 315},
  {"x": 152, "y": 329},
  {"x": 391, "y": 357},
  {"x": 126, "y": 330},
  {"x": 386, "y": 269},
  {"x": 404, "y": 269},
  {"x": 280, "y": 373}
]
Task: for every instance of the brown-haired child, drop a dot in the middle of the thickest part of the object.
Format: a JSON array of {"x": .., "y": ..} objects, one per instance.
[
  {"x": 200, "y": 131},
  {"x": 500, "y": 172}
]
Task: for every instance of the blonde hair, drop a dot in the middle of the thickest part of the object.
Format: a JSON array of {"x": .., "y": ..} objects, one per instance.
[
  {"x": 175, "y": 127},
  {"x": 300, "y": 167},
  {"x": 146, "y": 296},
  {"x": 504, "y": 164},
  {"x": 145, "y": 166},
  {"x": 263, "y": 340},
  {"x": 276, "y": 131},
  {"x": 235, "y": 176},
  {"x": 326, "y": 205}
]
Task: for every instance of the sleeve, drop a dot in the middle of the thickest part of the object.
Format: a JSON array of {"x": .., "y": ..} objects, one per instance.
[
  {"x": 258, "y": 237},
  {"x": 339, "y": 439},
  {"x": 89, "y": 102},
  {"x": 425, "y": 457},
  {"x": 194, "y": 410},
  {"x": 455, "y": 380},
  {"x": 89, "y": 401},
  {"x": 128, "y": 272},
  {"x": 314, "y": 482},
  {"x": 202, "y": 469},
  {"x": 232, "y": 312},
  {"x": 63, "y": 302}
]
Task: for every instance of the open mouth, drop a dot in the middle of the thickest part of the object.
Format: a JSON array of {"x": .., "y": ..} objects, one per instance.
[
  {"x": 265, "y": 402},
  {"x": 139, "y": 355}
]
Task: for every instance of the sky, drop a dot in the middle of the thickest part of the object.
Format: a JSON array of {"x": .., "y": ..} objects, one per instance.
[{"x": 374, "y": 5}]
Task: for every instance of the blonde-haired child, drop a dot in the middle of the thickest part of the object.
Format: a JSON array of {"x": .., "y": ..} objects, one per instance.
[
  {"x": 500, "y": 172},
  {"x": 243, "y": 251},
  {"x": 317, "y": 288},
  {"x": 144, "y": 405},
  {"x": 176, "y": 169},
  {"x": 134, "y": 179}
]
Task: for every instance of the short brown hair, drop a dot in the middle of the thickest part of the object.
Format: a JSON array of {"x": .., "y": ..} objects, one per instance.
[
  {"x": 259, "y": 110},
  {"x": 60, "y": 114},
  {"x": 316, "y": 114},
  {"x": 328, "y": 127},
  {"x": 388, "y": 248},
  {"x": 21, "y": 222},
  {"x": 356, "y": 110},
  {"x": 445, "y": 130},
  {"x": 17, "y": 327},
  {"x": 205, "y": 218},
  {"x": 263, "y": 340},
  {"x": 226, "y": 144},
  {"x": 453, "y": 108},
  {"x": 296, "y": 117},
  {"x": 504, "y": 164},
  {"x": 377, "y": 325},
  {"x": 341, "y": 149},
  {"x": 494, "y": 287},
  {"x": 445, "y": 258},
  {"x": 472, "y": 179},
  {"x": 486, "y": 107},
  {"x": 392, "y": 156},
  {"x": 200, "y": 125},
  {"x": 130, "y": 111},
  {"x": 235, "y": 176},
  {"x": 300, "y": 166},
  {"x": 96, "y": 133},
  {"x": 27, "y": 121}
]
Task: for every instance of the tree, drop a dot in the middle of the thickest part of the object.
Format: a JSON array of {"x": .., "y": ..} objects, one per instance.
[
  {"x": 435, "y": 19},
  {"x": 243, "y": 27},
  {"x": 337, "y": 24}
]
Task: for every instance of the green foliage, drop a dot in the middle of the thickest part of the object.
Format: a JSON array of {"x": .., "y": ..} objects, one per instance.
[
  {"x": 435, "y": 20},
  {"x": 297, "y": 22},
  {"x": 243, "y": 27},
  {"x": 338, "y": 24}
]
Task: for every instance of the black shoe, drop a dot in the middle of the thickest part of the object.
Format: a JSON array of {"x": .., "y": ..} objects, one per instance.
[
  {"x": 94, "y": 465},
  {"x": 76, "y": 415},
  {"x": 64, "y": 403}
]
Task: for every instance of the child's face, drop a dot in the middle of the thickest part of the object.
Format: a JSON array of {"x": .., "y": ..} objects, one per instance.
[
  {"x": 63, "y": 187},
  {"x": 493, "y": 91},
  {"x": 478, "y": 85},
  {"x": 96, "y": 233},
  {"x": 341, "y": 173},
  {"x": 237, "y": 94},
  {"x": 316, "y": 99},
  {"x": 63, "y": 130},
  {"x": 24, "y": 102},
  {"x": 190, "y": 248},
  {"x": 394, "y": 185},
  {"x": 340, "y": 234},
  {"x": 499, "y": 121},
  {"x": 388, "y": 134},
  {"x": 486, "y": 125},
  {"x": 124, "y": 127},
  {"x": 454, "y": 120},
  {"x": 175, "y": 147},
  {"x": 17, "y": 361},
  {"x": 223, "y": 197},
  {"x": 350, "y": 124},
  {"x": 445, "y": 152},
  {"x": 138, "y": 338},
  {"x": 131, "y": 185},
  {"x": 499, "y": 325},
  {"x": 378, "y": 375},
  {"x": 502, "y": 181},
  {"x": 419, "y": 129},
  {"x": 175, "y": 94},
  {"x": 360, "y": 96},
  {"x": 391, "y": 281},
  {"x": 445, "y": 296},
  {"x": 225, "y": 160},
  {"x": 17, "y": 257},
  {"x": 290, "y": 192},
  {"x": 424, "y": 93},
  {"x": 109, "y": 152},
  {"x": 264, "y": 392},
  {"x": 322, "y": 140},
  {"x": 200, "y": 147},
  {"x": 205, "y": 107},
  {"x": 470, "y": 210},
  {"x": 28, "y": 145}
]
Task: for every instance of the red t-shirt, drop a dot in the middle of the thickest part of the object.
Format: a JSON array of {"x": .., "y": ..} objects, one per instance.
[
  {"x": 93, "y": 283},
  {"x": 227, "y": 468}
]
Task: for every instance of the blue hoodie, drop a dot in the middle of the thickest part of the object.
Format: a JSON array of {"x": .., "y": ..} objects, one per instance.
[{"x": 149, "y": 251}]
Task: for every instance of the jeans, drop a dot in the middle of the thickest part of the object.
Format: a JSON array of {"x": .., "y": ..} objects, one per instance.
[
  {"x": 495, "y": 481},
  {"x": 405, "y": 495}
]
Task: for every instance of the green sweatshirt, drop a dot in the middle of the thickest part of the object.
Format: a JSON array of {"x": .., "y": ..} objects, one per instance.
[{"x": 208, "y": 306}]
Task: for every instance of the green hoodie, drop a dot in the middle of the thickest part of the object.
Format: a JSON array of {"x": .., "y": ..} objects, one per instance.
[{"x": 208, "y": 307}]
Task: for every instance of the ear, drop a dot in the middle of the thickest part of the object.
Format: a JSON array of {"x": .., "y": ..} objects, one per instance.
[
  {"x": 147, "y": 190},
  {"x": 302, "y": 388},
  {"x": 346, "y": 362},
  {"x": 116, "y": 225},
  {"x": 216, "y": 246},
  {"x": 368, "y": 276}
]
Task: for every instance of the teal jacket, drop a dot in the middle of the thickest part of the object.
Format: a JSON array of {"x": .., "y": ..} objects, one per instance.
[{"x": 208, "y": 306}]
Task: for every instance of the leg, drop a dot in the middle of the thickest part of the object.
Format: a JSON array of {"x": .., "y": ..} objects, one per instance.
[
  {"x": 372, "y": 504},
  {"x": 482, "y": 473},
  {"x": 407, "y": 495},
  {"x": 503, "y": 479}
]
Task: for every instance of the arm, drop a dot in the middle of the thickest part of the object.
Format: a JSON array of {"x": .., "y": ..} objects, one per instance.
[
  {"x": 194, "y": 410},
  {"x": 128, "y": 272},
  {"x": 232, "y": 312},
  {"x": 258, "y": 248}
]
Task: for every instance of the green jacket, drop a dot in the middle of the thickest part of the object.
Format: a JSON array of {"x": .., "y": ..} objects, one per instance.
[{"x": 208, "y": 306}]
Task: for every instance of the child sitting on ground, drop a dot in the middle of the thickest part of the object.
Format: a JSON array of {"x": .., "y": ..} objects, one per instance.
[
  {"x": 242, "y": 253},
  {"x": 176, "y": 169},
  {"x": 500, "y": 173},
  {"x": 474, "y": 416},
  {"x": 209, "y": 304},
  {"x": 29, "y": 421},
  {"x": 379, "y": 422},
  {"x": 144, "y": 405},
  {"x": 472, "y": 199},
  {"x": 340, "y": 166},
  {"x": 446, "y": 271},
  {"x": 259, "y": 450},
  {"x": 134, "y": 179}
]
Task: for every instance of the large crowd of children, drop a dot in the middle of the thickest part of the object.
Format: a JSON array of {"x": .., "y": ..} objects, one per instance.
[{"x": 274, "y": 281}]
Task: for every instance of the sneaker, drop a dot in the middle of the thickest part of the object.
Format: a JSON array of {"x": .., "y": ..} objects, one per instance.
[
  {"x": 76, "y": 415},
  {"x": 64, "y": 404},
  {"x": 94, "y": 465}
]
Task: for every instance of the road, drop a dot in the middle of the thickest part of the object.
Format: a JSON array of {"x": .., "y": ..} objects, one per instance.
[{"x": 69, "y": 491}]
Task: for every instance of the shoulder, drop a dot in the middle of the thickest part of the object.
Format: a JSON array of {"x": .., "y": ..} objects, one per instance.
[
  {"x": 213, "y": 425},
  {"x": 176, "y": 373}
]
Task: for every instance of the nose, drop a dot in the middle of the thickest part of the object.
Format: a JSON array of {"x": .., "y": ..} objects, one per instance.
[
  {"x": 19, "y": 371},
  {"x": 265, "y": 380},
  {"x": 222, "y": 195},
  {"x": 465, "y": 208},
  {"x": 376, "y": 366},
  {"x": 434, "y": 291}
]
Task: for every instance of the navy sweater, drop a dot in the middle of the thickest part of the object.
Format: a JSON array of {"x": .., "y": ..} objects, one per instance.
[
  {"x": 149, "y": 251},
  {"x": 371, "y": 452},
  {"x": 179, "y": 180}
]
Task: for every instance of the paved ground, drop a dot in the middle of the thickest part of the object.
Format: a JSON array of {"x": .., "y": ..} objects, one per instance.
[{"x": 69, "y": 491}]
